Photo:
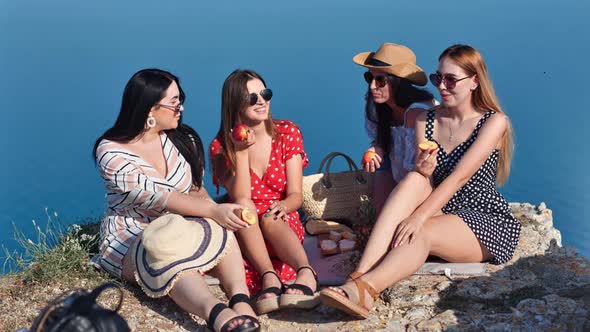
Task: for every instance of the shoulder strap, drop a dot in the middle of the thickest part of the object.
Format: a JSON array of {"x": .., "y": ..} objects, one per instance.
[
  {"x": 429, "y": 125},
  {"x": 481, "y": 121}
]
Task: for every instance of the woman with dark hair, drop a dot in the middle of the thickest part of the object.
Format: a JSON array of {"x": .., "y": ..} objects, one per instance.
[
  {"x": 152, "y": 166},
  {"x": 393, "y": 101},
  {"x": 265, "y": 172},
  {"x": 459, "y": 215}
]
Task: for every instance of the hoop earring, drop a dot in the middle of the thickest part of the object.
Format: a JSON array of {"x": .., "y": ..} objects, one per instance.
[{"x": 151, "y": 121}]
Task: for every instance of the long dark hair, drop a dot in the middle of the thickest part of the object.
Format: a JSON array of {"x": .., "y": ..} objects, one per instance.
[
  {"x": 405, "y": 94},
  {"x": 233, "y": 101},
  {"x": 144, "y": 90}
]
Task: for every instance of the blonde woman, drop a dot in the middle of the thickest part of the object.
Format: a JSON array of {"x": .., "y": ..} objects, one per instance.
[{"x": 451, "y": 209}]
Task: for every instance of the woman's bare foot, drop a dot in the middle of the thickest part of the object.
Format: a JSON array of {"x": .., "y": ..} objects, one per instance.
[
  {"x": 269, "y": 280},
  {"x": 351, "y": 287},
  {"x": 304, "y": 277}
]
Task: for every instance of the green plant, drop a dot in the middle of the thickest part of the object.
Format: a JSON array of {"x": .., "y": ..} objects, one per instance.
[{"x": 58, "y": 252}]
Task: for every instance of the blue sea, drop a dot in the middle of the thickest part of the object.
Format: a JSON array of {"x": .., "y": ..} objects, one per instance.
[{"x": 64, "y": 64}]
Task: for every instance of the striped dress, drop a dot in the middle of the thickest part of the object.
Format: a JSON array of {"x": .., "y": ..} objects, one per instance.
[{"x": 136, "y": 195}]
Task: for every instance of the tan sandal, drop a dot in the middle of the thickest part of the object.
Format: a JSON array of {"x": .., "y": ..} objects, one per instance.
[
  {"x": 310, "y": 299},
  {"x": 352, "y": 303},
  {"x": 354, "y": 275}
]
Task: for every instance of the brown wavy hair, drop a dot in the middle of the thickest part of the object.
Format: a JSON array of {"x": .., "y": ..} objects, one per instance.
[
  {"x": 483, "y": 98},
  {"x": 233, "y": 101}
]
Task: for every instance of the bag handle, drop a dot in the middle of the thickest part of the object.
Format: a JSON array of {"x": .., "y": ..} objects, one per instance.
[
  {"x": 360, "y": 178},
  {"x": 328, "y": 157}
]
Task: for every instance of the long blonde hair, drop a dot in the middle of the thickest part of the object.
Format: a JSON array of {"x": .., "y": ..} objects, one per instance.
[
  {"x": 483, "y": 98},
  {"x": 233, "y": 101}
]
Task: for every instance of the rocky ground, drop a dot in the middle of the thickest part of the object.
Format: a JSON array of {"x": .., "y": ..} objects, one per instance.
[{"x": 544, "y": 288}]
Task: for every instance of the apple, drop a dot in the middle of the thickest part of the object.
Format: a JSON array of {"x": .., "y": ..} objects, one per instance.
[
  {"x": 240, "y": 132},
  {"x": 368, "y": 156},
  {"x": 248, "y": 216},
  {"x": 428, "y": 146}
]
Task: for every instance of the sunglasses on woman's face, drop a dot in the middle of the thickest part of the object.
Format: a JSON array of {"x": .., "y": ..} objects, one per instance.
[
  {"x": 450, "y": 81},
  {"x": 380, "y": 80},
  {"x": 252, "y": 98},
  {"x": 175, "y": 109}
]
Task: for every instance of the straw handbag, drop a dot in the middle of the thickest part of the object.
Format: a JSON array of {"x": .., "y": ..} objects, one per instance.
[{"x": 329, "y": 195}]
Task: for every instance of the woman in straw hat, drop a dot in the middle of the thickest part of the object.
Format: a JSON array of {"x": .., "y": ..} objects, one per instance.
[
  {"x": 393, "y": 101},
  {"x": 152, "y": 166},
  {"x": 265, "y": 172},
  {"x": 459, "y": 215}
]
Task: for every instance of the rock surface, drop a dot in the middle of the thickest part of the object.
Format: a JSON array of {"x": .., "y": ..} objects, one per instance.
[{"x": 545, "y": 287}]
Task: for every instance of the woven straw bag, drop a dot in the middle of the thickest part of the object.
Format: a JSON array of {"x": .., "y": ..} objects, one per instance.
[{"x": 329, "y": 195}]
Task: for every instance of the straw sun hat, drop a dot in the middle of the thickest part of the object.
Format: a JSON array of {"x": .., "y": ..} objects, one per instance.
[
  {"x": 393, "y": 59},
  {"x": 171, "y": 245}
]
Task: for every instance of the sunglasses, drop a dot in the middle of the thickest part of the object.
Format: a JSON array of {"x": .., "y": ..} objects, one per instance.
[
  {"x": 175, "y": 109},
  {"x": 380, "y": 80},
  {"x": 252, "y": 98},
  {"x": 450, "y": 81}
]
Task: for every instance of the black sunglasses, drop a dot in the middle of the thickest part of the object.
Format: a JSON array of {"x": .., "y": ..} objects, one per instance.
[
  {"x": 380, "y": 80},
  {"x": 175, "y": 109},
  {"x": 450, "y": 81},
  {"x": 252, "y": 98}
]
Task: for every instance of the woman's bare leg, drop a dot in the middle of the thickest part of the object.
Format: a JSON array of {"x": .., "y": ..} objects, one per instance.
[
  {"x": 446, "y": 236},
  {"x": 403, "y": 200},
  {"x": 191, "y": 293},
  {"x": 252, "y": 247},
  {"x": 231, "y": 274},
  {"x": 289, "y": 249},
  {"x": 384, "y": 184}
]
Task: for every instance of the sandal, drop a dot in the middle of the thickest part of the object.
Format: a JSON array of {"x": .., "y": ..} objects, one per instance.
[
  {"x": 243, "y": 298},
  {"x": 248, "y": 325},
  {"x": 352, "y": 303},
  {"x": 269, "y": 304},
  {"x": 354, "y": 275},
  {"x": 309, "y": 300}
]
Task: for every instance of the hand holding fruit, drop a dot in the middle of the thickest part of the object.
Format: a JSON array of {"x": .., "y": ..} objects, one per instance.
[
  {"x": 425, "y": 165},
  {"x": 372, "y": 159},
  {"x": 242, "y": 136},
  {"x": 225, "y": 215}
]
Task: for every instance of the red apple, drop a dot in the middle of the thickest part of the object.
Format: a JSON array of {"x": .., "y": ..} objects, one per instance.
[
  {"x": 428, "y": 146},
  {"x": 248, "y": 216},
  {"x": 240, "y": 132},
  {"x": 368, "y": 156}
]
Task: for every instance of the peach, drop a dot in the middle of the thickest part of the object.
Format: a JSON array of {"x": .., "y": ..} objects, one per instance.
[
  {"x": 248, "y": 216},
  {"x": 428, "y": 146},
  {"x": 368, "y": 156},
  {"x": 240, "y": 132}
]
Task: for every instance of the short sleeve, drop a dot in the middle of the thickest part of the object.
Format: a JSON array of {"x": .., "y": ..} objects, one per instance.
[
  {"x": 293, "y": 141},
  {"x": 219, "y": 163},
  {"x": 127, "y": 186}
]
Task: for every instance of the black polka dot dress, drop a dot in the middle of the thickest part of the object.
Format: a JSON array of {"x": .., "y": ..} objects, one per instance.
[{"x": 478, "y": 202}]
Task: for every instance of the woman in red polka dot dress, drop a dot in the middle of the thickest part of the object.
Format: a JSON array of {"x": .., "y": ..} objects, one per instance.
[{"x": 264, "y": 172}]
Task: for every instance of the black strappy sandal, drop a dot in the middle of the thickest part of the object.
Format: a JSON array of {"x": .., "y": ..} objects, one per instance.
[
  {"x": 243, "y": 298},
  {"x": 248, "y": 325},
  {"x": 309, "y": 300},
  {"x": 263, "y": 306}
]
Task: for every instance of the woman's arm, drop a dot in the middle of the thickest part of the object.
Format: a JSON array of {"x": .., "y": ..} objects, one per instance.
[
  {"x": 238, "y": 185},
  {"x": 193, "y": 205},
  {"x": 488, "y": 139},
  {"x": 294, "y": 197}
]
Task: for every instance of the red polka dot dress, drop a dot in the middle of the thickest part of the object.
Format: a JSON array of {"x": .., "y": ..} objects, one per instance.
[{"x": 271, "y": 187}]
